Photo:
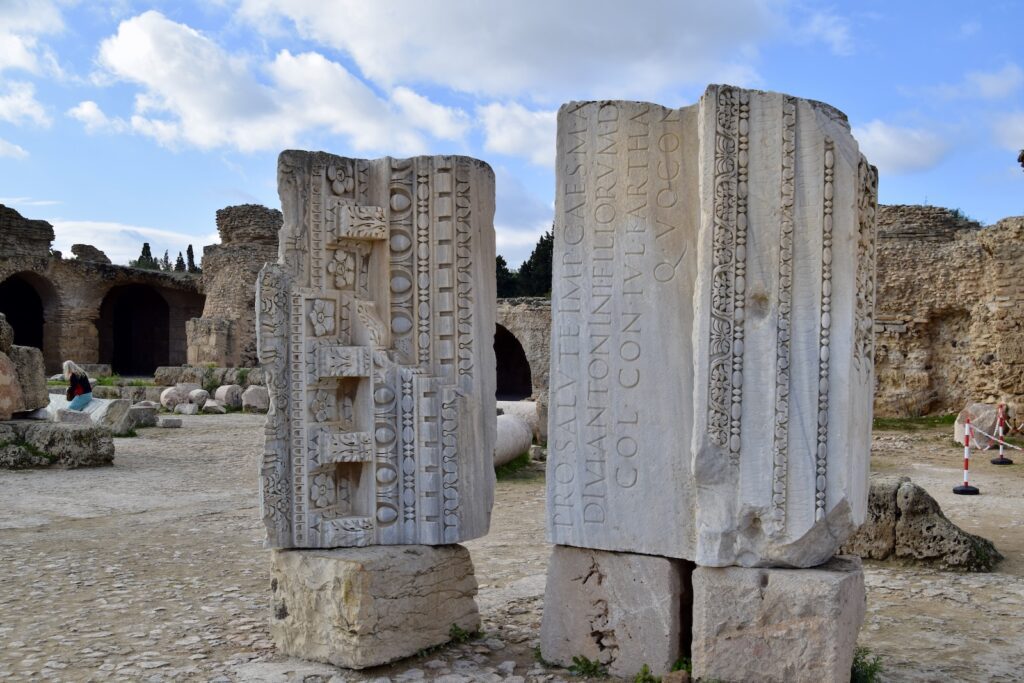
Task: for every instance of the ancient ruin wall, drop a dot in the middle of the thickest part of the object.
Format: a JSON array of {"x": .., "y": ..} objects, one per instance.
[
  {"x": 226, "y": 333},
  {"x": 529, "y": 321},
  {"x": 72, "y": 294},
  {"x": 949, "y": 316}
]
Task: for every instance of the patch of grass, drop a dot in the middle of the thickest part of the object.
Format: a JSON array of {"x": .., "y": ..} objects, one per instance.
[
  {"x": 906, "y": 424},
  {"x": 209, "y": 382},
  {"x": 645, "y": 676},
  {"x": 512, "y": 466},
  {"x": 111, "y": 381},
  {"x": 587, "y": 668},
  {"x": 242, "y": 375},
  {"x": 131, "y": 433},
  {"x": 459, "y": 635},
  {"x": 540, "y": 658},
  {"x": 866, "y": 666},
  {"x": 683, "y": 664}
]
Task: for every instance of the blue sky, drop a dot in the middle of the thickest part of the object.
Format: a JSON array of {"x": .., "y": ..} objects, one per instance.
[{"x": 123, "y": 122}]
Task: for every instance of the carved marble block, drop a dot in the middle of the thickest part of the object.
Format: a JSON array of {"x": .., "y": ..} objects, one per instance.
[
  {"x": 712, "y": 347},
  {"x": 375, "y": 331}
]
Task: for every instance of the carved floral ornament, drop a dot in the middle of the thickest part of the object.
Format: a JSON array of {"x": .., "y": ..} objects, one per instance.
[
  {"x": 341, "y": 179},
  {"x": 322, "y": 491},
  {"x": 322, "y": 317}
]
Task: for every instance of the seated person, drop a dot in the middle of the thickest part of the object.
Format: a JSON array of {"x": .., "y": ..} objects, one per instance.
[{"x": 79, "y": 389}]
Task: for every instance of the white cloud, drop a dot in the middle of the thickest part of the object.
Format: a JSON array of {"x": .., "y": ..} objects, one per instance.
[
  {"x": 22, "y": 22},
  {"x": 19, "y": 105},
  {"x": 520, "y": 218},
  {"x": 445, "y": 123},
  {"x": 95, "y": 121},
  {"x": 28, "y": 201},
  {"x": 515, "y": 130},
  {"x": 897, "y": 150},
  {"x": 538, "y": 48},
  {"x": 121, "y": 242},
  {"x": 13, "y": 151},
  {"x": 969, "y": 29},
  {"x": 196, "y": 93},
  {"x": 987, "y": 85},
  {"x": 1009, "y": 130},
  {"x": 830, "y": 29}
]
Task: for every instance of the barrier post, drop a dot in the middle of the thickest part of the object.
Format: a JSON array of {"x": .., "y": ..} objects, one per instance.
[
  {"x": 966, "y": 489},
  {"x": 1001, "y": 432}
]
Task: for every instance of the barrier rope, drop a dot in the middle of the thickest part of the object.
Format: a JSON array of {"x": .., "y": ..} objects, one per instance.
[{"x": 996, "y": 439}]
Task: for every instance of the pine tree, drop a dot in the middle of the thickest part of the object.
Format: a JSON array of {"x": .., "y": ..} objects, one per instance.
[
  {"x": 506, "y": 279},
  {"x": 535, "y": 273},
  {"x": 192, "y": 267},
  {"x": 1020, "y": 159},
  {"x": 165, "y": 263},
  {"x": 179, "y": 265},
  {"x": 145, "y": 260}
]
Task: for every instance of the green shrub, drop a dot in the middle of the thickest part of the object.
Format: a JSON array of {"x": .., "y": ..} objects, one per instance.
[
  {"x": 586, "y": 668},
  {"x": 645, "y": 676},
  {"x": 866, "y": 666}
]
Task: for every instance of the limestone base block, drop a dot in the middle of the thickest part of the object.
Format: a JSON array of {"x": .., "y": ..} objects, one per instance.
[
  {"x": 784, "y": 625},
  {"x": 362, "y": 607},
  {"x": 620, "y": 609}
]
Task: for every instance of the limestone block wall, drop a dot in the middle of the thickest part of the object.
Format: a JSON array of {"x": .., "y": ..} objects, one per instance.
[
  {"x": 227, "y": 335},
  {"x": 949, "y": 311}
]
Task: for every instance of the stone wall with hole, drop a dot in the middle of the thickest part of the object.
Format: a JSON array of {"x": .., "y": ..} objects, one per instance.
[
  {"x": 949, "y": 318},
  {"x": 529, "y": 321},
  {"x": 225, "y": 335},
  {"x": 69, "y": 307}
]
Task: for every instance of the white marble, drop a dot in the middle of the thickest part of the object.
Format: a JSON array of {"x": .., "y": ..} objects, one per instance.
[
  {"x": 375, "y": 332},
  {"x": 712, "y": 347}
]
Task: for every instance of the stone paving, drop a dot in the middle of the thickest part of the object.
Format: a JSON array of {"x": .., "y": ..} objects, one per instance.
[{"x": 154, "y": 570}]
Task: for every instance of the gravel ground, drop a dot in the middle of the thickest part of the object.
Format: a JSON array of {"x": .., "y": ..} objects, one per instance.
[{"x": 154, "y": 570}]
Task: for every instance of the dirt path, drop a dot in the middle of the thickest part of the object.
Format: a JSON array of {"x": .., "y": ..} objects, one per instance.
[{"x": 154, "y": 570}]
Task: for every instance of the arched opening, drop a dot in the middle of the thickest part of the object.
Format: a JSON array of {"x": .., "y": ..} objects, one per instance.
[
  {"x": 134, "y": 330},
  {"x": 28, "y": 301},
  {"x": 514, "y": 379}
]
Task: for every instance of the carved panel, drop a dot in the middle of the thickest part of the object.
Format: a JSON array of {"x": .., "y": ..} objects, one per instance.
[{"x": 362, "y": 326}]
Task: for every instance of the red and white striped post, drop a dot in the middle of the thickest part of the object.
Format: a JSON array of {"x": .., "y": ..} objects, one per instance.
[
  {"x": 966, "y": 489},
  {"x": 1001, "y": 432}
]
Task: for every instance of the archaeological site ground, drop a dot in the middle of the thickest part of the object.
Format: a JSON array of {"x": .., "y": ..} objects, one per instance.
[{"x": 744, "y": 414}]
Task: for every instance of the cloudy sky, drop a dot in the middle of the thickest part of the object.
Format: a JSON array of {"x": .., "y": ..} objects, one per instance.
[{"x": 124, "y": 121}]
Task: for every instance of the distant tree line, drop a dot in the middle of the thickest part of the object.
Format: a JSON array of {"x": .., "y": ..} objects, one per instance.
[
  {"x": 147, "y": 261},
  {"x": 533, "y": 277}
]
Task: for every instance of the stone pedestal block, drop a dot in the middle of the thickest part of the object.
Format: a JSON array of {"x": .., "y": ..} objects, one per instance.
[
  {"x": 712, "y": 348},
  {"x": 777, "y": 625},
  {"x": 362, "y": 607},
  {"x": 619, "y": 609}
]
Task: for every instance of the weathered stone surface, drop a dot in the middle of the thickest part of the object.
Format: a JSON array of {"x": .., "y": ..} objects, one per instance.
[
  {"x": 6, "y": 334},
  {"x": 906, "y": 524},
  {"x": 255, "y": 400},
  {"x": 87, "y": 252},
  {"x": 383, "y": 432},
  {"x": 169, "y": 422},
  {"x": 876, "y": 538},
  {"x": 14, "y": 456},
  {"x": 362, "y": 607},
  {"x": 712, "y": 345},
  {"x": 171, "y": 397},
  {"x": 28, "y": 361},
  {"x": 66, "y": 416},
  {"x": 524, "y": 410},
  {"x": 142, "y": 416},
  {"x": 68, "y": 445},
  {"x": 229, "y": 395},
  {"x": 777, "y": 625},
  {"x": 620, "y": 609},
  {"x": 187, "y": 409},
  {"x": 111, "y": 413},
  {"x": 11, "y": 400},
  {"x": 514, "y": 439},
  {"x": 198, "y": 396},
  {"x": 213, "y": 407},
  {"x": 984, "y": 417}
]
